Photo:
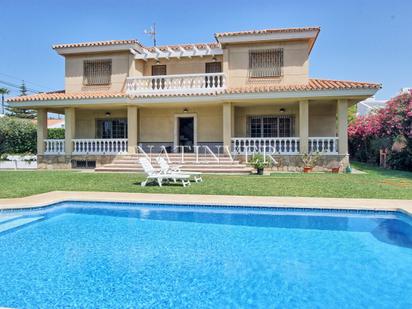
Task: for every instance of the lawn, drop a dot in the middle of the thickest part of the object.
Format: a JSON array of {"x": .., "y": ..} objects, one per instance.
[{"x": 376, "y": 183}]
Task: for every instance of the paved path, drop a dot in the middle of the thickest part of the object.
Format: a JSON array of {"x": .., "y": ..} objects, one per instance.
[{"x": 192, "y": 199}]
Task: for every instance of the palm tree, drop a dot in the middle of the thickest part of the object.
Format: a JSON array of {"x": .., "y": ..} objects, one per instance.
[{"x": 3, "y": 91}]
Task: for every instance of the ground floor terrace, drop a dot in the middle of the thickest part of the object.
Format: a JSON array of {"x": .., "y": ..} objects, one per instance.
[{"x": 284, "y": 130}]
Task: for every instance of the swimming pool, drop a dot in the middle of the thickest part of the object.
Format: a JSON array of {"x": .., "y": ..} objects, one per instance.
[{"x": 118, "y": 255}]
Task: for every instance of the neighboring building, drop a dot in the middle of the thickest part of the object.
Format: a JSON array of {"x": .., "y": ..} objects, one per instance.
[
  {"x": 369, "y": 105},
  {"x": 248, "y": 91},
  {"x": 55, "y": 123}
]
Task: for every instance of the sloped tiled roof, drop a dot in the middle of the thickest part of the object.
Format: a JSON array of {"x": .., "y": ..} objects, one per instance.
[
  {"x": 97, "y": 43},
  {"x": 266, "y": 31},
  {"x": 314, "y": 84},
  {"x": 62, "y": 95}
]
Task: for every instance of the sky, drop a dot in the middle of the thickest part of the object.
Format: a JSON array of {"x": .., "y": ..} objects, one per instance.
[{"x": 360, "y": 40}]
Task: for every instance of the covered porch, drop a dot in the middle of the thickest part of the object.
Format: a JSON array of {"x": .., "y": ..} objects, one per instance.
[{"x": 285, "y": 128}]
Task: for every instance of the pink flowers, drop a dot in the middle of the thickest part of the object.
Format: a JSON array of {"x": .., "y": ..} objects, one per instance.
[{"x": 393, "y": 120}]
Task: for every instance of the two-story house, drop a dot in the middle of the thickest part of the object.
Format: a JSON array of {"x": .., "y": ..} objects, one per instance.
[{"x": 248, "y": 92}]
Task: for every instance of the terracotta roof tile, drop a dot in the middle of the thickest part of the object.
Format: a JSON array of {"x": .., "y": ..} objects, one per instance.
[
  {"x": 266, "y": 31},
  {"x": 97, "y": 43},
  {"x": 62, "y": 95},
  {"x": 314, "y": 84}
]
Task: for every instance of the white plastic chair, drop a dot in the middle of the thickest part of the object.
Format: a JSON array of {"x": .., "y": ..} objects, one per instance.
[
  {"x": 166, "y": 168},
  {"x": 159, "y": 177}
]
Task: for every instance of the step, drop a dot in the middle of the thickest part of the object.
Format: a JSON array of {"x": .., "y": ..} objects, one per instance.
[
  {"x": 6, "y": 218},
  {"x": 17, "y": 223},
  {"x": 242, "y": 170},
  {"x": 185, "y": 165}
]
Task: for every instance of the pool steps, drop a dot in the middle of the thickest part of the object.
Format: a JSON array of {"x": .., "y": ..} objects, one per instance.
[{"x": 8, "y": 222}]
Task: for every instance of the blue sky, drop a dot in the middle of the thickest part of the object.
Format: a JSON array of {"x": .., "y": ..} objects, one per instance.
[{"x": 359, "y": 40}]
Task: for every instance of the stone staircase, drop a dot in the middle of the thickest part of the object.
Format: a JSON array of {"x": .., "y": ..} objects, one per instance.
[{"x": 205, "y": 164}]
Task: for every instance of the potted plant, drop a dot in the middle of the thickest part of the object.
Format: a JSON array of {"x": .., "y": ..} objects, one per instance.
[
  {"x": 309, "y": 161},
  {"x": 259, "y": 163}
]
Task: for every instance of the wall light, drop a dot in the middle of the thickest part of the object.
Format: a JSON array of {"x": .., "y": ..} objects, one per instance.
[
  {"x": 108, "y": 114},
  {"x": 214, "y": 59},
  {"x": 282, "y": 110},
  {"x": 185, "y": 110}
]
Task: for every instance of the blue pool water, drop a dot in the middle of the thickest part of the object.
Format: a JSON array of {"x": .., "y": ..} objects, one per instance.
[{"x": 100, "y": 255}]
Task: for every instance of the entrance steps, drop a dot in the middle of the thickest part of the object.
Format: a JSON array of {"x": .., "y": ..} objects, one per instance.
[{"x": 202, "y": 163}]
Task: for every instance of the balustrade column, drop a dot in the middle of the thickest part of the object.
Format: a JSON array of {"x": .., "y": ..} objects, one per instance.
[
  {"x": 70, "y": 129},
  {"x": 41, "y": 130},
  {"x": 132, "y": 128},
  {"x": 304, "y": 126},
  {"x": 342, "y": 109}
]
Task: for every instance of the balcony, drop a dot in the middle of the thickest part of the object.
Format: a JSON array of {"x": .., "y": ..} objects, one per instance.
[{"x": 176, "y": 84}]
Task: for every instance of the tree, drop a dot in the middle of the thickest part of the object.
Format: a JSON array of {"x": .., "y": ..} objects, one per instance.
[
  {"x": 3, "y": 91},
  {"x": 21, "y": 112}
]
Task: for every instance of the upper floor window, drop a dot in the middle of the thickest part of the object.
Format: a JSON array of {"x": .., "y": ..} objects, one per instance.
[
  {"x": 159, "y": 69},
  {"x": 97, "y": 72},
  {"x": 265, "y": 62},
  {"x": 213, "y": 67}
]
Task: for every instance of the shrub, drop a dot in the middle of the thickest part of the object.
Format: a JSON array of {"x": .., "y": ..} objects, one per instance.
[
  {"x": 55, "y": 133},
  {"x": 389, "y": 128},
  {"x": 17, "y": 135}
]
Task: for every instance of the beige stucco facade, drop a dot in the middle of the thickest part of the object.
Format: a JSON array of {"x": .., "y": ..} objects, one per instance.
[{"x": 221, "y": 104}]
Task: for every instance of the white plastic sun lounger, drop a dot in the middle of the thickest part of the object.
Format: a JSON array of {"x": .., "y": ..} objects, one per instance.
[
  {"x": 166, "y": 168},
  {"x": 159, "y": 177}
]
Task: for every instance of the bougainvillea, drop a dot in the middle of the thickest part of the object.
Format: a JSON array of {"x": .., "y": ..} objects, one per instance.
[{"x": 382, "y": 129}]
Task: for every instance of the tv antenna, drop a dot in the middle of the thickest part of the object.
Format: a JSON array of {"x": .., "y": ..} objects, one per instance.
[{"x": 152, "y": 32}]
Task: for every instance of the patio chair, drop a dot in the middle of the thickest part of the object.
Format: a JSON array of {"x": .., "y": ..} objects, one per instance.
[
  {"x": 159, "y": 177},
  {"x": 166, "y": 168}
]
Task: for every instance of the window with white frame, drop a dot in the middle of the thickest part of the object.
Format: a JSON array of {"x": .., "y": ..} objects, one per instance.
[
  {"x": 97, "y": 72},
  {"x": 111, "y": 128},
  {"x": 265, "y": 62},
  {"x": 270, "y": 126}
]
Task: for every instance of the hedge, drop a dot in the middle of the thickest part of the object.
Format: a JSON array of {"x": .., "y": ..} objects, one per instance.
[{"x": 18, "y": 136}]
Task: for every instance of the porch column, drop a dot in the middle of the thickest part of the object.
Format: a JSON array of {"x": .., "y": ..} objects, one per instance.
[
  {"x": 132, "y": 128},
  {"x": 227, "y": 124},
  {"x": 69, "y": 129},
  {"x": 342, "y": 109},
  {"x": 304, "y": 126},
  {"x": 41, "y": 130}
]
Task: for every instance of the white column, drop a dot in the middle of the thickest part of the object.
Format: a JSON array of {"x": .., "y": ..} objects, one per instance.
[
  {"x": 342, "y": 110},
  {"x": 69, "y": 129},
  {"x": 41, "y": 130},
  {"x": 132, "y": 128},
  {"x": 304, "y": 126},
  {"x": 227, "y": 124}
]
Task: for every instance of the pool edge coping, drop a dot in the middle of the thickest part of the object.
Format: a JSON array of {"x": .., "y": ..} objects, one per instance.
[{"x": 45, "y": 199}]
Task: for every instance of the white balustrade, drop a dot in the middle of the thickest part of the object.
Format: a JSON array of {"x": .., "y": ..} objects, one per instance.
[
  {"x": 323, "y": 145},
  {"x": 100, "y": 146},
  {"x": 181, "y": 83},
  {"x": 269, "y": 145},
  {"x": 54, "y": 146}
]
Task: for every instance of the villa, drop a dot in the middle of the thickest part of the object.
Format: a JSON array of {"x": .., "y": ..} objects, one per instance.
[{"x": 248, "y": 92}]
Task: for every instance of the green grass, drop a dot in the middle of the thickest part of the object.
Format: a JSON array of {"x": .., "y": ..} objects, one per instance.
[{"x": 377, "y": 183}]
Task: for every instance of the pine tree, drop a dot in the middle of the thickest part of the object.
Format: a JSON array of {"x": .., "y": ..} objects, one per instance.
[{"x": 21, "y": 112}]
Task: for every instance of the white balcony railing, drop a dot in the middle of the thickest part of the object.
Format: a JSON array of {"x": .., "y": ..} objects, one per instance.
[
  {"x": 54, "y": 146},
  {"x": 100, "y": 146},
  {"x": 181, "y": 83},
  {"x": 324, "y": 145},
  {"x": 269, "y": 145},
  {"x": 283, "y": 145}
]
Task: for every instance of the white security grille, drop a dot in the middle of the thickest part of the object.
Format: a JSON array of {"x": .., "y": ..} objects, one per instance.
[
  {"x": 97, "y": 72},
  {"x": 265, "y": 62}
]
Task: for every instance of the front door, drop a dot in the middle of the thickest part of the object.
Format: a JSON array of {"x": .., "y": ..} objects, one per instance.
[{"x": 186, "y": 132}]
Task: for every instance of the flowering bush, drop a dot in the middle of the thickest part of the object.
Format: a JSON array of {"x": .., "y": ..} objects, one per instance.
[{"x": 390, "y": 128}]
